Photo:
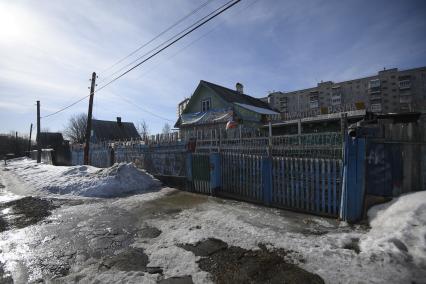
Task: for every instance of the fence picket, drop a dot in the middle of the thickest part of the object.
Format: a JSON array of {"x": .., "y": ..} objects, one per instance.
[
  {"x": 317, "y": 186},
  {"x": 329, "y": 186},
  {"x": 323, "y": 178},
  {"x": 298, "y": 182},
  {"x": 333, "y": 178}
]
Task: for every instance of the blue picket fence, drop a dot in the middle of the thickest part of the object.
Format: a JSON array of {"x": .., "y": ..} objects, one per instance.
[
  {"x": 302, "y": 184},
  {"x": 310, "y": 185},
  {"x": 98, "y": 157},
  {"x": 241, "y": 176}
]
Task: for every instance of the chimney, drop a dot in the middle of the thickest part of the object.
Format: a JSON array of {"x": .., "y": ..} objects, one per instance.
[
  {"x": 119, "y": 121},
  {"x": 240, "y": 88}
]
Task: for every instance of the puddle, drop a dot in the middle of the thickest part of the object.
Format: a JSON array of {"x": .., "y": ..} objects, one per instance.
[
  {"x": 170, "y": 204},
  {"x": 149, "y": 233},
  {"x": 133, "y": 259},
  {"x": 230, "y": 264},
  {"x": 206, "y": 248},
  {"x": 24, "y": 212},
  {"x": 353, "y": 245}
]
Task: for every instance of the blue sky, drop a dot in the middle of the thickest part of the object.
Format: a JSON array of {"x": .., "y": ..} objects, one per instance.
[{"x": 50, "y": 48}]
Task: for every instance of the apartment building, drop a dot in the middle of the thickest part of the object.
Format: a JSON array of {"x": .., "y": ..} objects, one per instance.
[{"x": 390, "y": 90}]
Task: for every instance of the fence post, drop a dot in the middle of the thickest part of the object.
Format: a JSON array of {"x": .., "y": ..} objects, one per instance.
[
  {"x": 189, "y": 171},
  {"x": 267, "y": 179},
  {"x": 215, "y": 173},
  {"x": 353, "y": 185}
]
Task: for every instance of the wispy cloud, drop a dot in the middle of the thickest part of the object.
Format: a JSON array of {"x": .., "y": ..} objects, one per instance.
[{"x": 50, "y": 49}]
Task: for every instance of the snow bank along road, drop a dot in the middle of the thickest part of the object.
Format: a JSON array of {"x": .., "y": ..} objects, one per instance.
[{"x": 168, "y": 236}]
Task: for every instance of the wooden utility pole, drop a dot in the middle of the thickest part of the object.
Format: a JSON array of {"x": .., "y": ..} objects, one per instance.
[
  {"x": 38, "y": 133},
  {"x": 29, "y": 140},
  {"x": 16, "y": 144},
  {"x": 89, "y": 119}
]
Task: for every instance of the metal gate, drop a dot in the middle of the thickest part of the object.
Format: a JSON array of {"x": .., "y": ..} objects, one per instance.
[{"x": 201, "y": 173}]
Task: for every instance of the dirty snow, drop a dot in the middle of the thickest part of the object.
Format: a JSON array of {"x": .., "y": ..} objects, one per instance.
[
  {"x": 398, "y": 230},
  {"x": 393, "y": 250},
  {"x": 118, "y": 180},
  {"x": 319, "y": 245}
]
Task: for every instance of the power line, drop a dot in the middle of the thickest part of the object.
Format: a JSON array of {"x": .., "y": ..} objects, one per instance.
[
  {"x": 194, "y": 41},
  {"x": 66, "y": 107},
  {"x": 165, "y": 42},
  {"x": 174, "y": 41},
  {"x": 139, "y": 48},
  {"x": 159, "y": 35},
  {"x": 145, "y": 110},
  {"x": 223, "y": 9}
]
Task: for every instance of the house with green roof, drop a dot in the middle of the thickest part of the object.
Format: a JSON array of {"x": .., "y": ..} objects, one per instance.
[{"x": 212, "y": 106}]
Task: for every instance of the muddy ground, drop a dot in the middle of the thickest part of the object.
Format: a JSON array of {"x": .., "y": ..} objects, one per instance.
[
  {"x": 114, "y": 251},
  {"x": 231, "y": 264}
]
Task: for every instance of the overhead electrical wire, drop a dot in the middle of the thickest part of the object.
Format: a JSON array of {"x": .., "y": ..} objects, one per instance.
[
  {"x": 173, "y": 42},
  {"x": 194, "y": 41},
  {"x": 157, "y": 36},
  {"x": 66, "y": 107},
  {"x": 204, "y": 20},
  {"x": 171, "y": 39},
  {"x": 145, "y": 110}
]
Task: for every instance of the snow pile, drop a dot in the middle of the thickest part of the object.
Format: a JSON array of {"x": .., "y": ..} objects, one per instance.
[
  {"x": 120, "y": 179},
  {"x": 398, "y": 230}
]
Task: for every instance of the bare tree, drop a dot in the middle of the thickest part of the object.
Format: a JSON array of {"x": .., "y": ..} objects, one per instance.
[
  {"x": 143, "y": 129},
  {"x": 166, "y": 128},
  {"x": 75, "y": 131}
]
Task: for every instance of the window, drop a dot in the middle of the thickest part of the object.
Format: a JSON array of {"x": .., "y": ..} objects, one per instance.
[
  {"x": 374, "y": 83},
  {"x": 376, "y": 107},
  {"x": 205, "y": 105},
  {"x": 405, "y": 84}
]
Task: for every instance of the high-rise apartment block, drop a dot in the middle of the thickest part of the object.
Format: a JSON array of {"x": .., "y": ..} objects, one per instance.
[{"x": 390, "y": 90}]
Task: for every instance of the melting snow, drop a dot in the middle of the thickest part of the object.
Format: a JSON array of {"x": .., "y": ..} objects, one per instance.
[
  {"x": 398, "y": 230},
  {"x": 118, "y": 180}
]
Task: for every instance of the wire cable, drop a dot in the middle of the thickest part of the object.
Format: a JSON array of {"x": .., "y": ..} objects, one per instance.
[
  {"x": 194, "y": 41},
  {"x": 159, "y": 35},
  {"x": 145, "y": 110},
  {"x": 210, "y": 17},
  {"x": 163, "y": 43},
  {"x": 168, "y": 45},
  {"x": 66, "y": 107}
]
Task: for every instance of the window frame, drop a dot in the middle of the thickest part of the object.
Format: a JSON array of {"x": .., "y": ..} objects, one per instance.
[{"x": 206, "y": 105}]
